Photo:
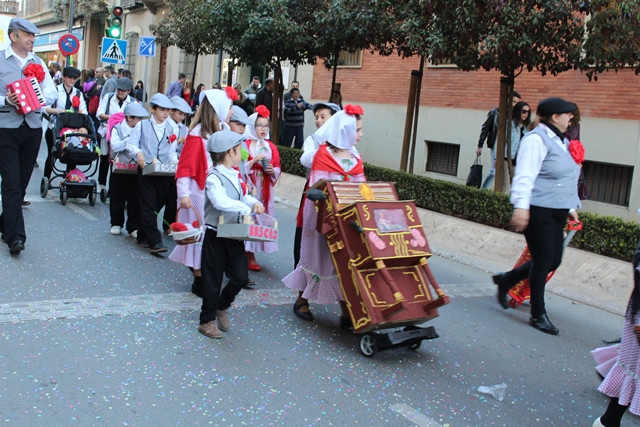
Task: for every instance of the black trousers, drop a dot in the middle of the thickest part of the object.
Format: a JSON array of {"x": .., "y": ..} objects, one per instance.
[
  {"x": 170, "y": 206},
  {"x": 220, "y": 256},
  {"x": 18, "y": 152},
  {"x": 152, "y": 191},
  {"x": 545, "y": 241},
  {"x": 293, "y": 131},
  {"x": 124, "y": 195}
]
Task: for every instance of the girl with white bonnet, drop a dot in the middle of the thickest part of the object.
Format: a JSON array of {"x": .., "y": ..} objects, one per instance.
[
  {"x": 193, "y": 167},
  {"x": 263, "y": 169},
  {"x": 336, "y": 160}
]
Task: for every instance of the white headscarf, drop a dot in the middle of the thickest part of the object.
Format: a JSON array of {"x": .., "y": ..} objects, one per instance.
[
  {"x": 221, "y": 104},
  {"x": 260, "y": 146},
  {"x": 339, "y": 131},
  {"x": 250, "y": 130}
]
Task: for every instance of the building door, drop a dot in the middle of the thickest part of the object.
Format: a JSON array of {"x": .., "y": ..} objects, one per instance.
[{"x": 163, "y": 67}]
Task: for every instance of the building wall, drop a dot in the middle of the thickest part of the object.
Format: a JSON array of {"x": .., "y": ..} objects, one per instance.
[{"x": 454, "y": 105}]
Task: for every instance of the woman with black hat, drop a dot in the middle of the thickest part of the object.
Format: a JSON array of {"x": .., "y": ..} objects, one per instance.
[{"x": 543, "y": 194}]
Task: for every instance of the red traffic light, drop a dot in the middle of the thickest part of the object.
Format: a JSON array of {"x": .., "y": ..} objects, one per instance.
[{"x": 117, "y": 11}]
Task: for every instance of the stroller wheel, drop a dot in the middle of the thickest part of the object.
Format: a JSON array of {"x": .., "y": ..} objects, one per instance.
[
  {"x": 103, "y": 195},
  {"x": 368, "y": 345},
  {"x": 63, "y": 197},
  {"x": 92, "y": 197},
  {"x": 44, "y": 187}
]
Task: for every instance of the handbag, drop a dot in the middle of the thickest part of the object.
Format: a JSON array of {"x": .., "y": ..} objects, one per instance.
[
  {"x": 583, "y": 190},
  {"x": 475, "y": 174}
]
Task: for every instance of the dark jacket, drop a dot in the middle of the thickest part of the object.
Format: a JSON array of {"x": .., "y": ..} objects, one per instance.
[
  {"x": 489, "y": 129},
  {"x": 264, "y": 97}
]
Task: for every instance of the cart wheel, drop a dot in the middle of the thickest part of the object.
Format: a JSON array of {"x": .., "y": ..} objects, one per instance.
[
  {"x": 103, "y": 195},
  {"x": 368, "y": 345},
  {"x": 63, "y": 197},
  {"x": 44, "y": 187},
  {"x": 92, "y": 198},
  {"x": 415, "y": 346}
]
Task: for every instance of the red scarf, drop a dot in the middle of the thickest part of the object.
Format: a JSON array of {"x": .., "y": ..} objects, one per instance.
[
  {"x": 193, "y": 161},
  {"x": 324, "y": 161},
  {"x": 266, "y": 180}
]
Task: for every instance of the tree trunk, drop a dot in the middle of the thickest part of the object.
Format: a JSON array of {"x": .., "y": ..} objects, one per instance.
[
  {"x": 193, "y": 75},
  {"x": 406, "y": 140},
  {"x": 502, "y": 126},
  {"x": 335, "y": 72},
  {"x": 275, "y": 105},
  {"x": 416, "y": 115}
]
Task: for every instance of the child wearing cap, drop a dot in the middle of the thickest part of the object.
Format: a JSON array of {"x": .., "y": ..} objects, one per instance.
[
  {"x": 335, "y": 160},
  {"x": 225, "y": 193},
  {"x": 153, "y": 141},
  {"x": 124, "y": 187},
  {"x": 193, "y": 167},
  {"x": 263, "y": 169}
]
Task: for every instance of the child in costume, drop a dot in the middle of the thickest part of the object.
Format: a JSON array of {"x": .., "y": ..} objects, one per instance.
[
  {"x": 124, "y": 187},
  {"x": 225, "y": 193},
  {"x": 153, "y": 141},
  {"x": 193, "y": 168},
  {"x": 263, "y": 169},
  {"x": 335, "y": 160}
]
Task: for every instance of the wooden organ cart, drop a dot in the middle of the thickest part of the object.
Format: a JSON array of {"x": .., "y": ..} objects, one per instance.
[{"x": 380, "y": 251}]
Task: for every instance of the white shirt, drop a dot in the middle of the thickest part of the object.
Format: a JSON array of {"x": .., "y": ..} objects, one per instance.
[
  {"x": 217, "y": 194},
  {"x": 114, "y": 105},
  {"x": 61, "y": 100},
  {"x": 48, "y": 87},
  {"x": 531, "y": 154},
  {"x": 120, "y": 140}
]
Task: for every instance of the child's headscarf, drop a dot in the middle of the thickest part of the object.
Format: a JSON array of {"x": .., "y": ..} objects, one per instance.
[
  {"x": 250, "y": 130},
  {"x": 221, "y": 101},
  {"x": 340, "y": 130}
]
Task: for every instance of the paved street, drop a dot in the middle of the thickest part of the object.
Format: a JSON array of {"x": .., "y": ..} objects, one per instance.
[{"x": 95, "y": 331}]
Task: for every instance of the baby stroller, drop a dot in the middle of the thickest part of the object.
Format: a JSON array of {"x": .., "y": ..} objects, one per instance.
[{"x": 73, "y": 150}]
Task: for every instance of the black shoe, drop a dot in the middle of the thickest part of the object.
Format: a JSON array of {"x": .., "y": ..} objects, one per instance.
[
  {"x": 196, "y": 286},
  {"x": 25, "y": 202},
  {"x": 143, "y": 243},
  {"x": 157, "y": 248},
  {"x": 16, "y": 247},
  {"x": 345, "y": 323},
  {"x": 250, "y": 284},
  {"x": 542, "y": 323},
  {"x": 304, "y": 315},
  {"x": 503, "y": 289}
]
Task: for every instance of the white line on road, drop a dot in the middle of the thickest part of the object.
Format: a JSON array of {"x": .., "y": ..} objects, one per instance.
[
  {"x": 77, "y": 209},
  {"x": 414, "y": 415}
]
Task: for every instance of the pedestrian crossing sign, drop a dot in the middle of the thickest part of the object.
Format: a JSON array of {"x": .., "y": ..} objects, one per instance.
[{"x": 114, "y": 51}]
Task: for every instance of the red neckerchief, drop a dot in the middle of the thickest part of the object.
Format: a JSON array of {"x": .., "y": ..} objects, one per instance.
[
  {"x": 324, "y": 161},
  {"x": 193, "y": 161},
  {"x": 257, "y": 166}
]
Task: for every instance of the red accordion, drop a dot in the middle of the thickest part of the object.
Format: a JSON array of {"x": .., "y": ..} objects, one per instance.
[{"x": 29, "y": 94}]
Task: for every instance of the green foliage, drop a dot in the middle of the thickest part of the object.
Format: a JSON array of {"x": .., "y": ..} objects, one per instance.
[
  {"x": 613, "y": 37},
  {"x": 602, "y": 235}
]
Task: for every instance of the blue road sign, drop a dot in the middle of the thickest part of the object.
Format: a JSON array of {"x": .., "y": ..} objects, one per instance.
[
  {"x": 147, "y": 46},
  {"x": 114, "y": 51},
  {"x": 68, "y": 44}
]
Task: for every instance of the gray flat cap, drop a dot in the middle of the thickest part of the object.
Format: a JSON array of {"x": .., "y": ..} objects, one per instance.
[
  {"x": 134, "y": 109},
  {"x": 161, "y": 100},
  {"x": 239, "y": 115},
  {"x": 223, "y": 140},
  {"x": 24, "y": 25},
  {"x": 329, "y": 105},
  {"x": 180, "y": 104},
  {"x": 124, "y": 83}
]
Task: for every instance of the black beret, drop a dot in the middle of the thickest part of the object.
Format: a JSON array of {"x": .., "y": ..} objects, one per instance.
[
  {"x": 550, "y": 106},
  {"x": 71, "y": 72}
]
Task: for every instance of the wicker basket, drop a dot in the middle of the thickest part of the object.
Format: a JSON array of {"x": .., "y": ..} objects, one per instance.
[{"x": 191, "y": 236}]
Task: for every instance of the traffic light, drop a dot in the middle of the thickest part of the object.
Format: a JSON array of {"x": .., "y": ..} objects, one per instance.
[{"x": 115, "y": 23}]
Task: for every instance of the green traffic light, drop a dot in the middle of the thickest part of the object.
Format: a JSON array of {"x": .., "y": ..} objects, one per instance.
[{"x": 114, "y": 32}]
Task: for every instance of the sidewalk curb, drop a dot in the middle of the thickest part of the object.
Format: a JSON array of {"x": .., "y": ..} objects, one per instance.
[{"x": 584, "y": 277}]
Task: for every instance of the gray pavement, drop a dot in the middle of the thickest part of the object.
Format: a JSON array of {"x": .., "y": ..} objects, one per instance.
[{"x": 95, "y": 331}]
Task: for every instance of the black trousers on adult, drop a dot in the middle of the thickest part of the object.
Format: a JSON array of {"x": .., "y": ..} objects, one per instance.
[
  {"x": 220, "y": 256},
  {"x": 124, "y": 195},
  {"x": 545, "y": 241},
  {"x": 152, "y": 191},
  {"x": 293, "y": 131},
  {"x": 18, "y": 152},
  {"x": 103, "y": 166}
]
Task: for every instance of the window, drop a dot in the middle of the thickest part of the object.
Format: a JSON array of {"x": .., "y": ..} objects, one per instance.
[
  {"x": 133, "y": 40},
  {"x": 186, "y": 64},
  {"x": 442, "y": 158},
  {"x": 608, "y": 183},
  {"x": 350, "y": 59}
]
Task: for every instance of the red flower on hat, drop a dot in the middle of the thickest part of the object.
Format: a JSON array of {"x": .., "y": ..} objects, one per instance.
[
  {"x": 231, "y": 93},
  {"x": 576, "y": 149},
  {"x": 172, "y": 138},
  {"x": 354, "y": 110},
  {"x": 75, "y": 102},
  {"x": 34, "y": 70},
  {"x": 263, "y": 111}
]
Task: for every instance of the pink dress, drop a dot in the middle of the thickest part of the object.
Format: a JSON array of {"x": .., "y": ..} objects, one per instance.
[
  {"x": 190, "y": 255},
  {"x": 256, "y": 179},
  {"x": 315, "y": 274}
]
